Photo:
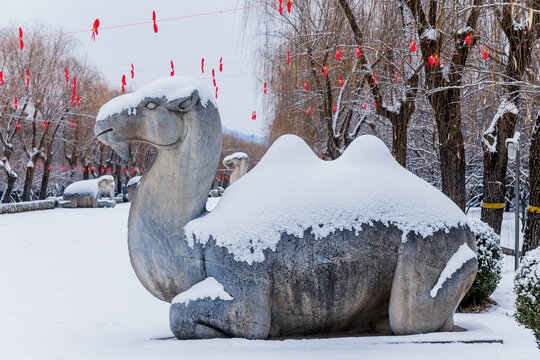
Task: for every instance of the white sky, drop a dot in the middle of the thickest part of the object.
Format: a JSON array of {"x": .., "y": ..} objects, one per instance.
[{"x": 184, "y": 41}]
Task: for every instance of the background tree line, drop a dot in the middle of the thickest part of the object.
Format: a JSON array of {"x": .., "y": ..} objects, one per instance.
[{"x": 47, "y": 140}]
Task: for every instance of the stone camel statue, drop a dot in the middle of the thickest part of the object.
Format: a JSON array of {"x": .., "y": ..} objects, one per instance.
[
  {"x": 88, "y": 193},
  {"x": 239, "y": 162},
  {"x": 355, "y": 271}
]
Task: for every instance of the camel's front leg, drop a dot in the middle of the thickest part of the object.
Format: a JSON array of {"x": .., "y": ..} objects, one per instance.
[{"x": 242, "y": 311}]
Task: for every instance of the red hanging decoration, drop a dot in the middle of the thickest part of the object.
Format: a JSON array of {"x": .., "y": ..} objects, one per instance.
[
  {"x": 325, "y": 70},
  {"x": 375, "y": 104},
  {"x": 72, "y": 127},
  {"x": 338, "y": 54},
  {"x": 485, "y": 54},
  {"x": 280, "y": 7},
  {"x": 396, "y": 75},
  {"x": 254, "y": 115},
  {"x": 288, "y": 58},
  {"x": 154, "y": 21},
  {"x": 309, "y": 111},
  {"x": 67, "y": 75},
  {"x": 358, "y": 51},
  {"x": 265, "y": 88},
  {"x": 172, "y": 68},
  {"x": 123, "y": 83},
  {"x": 217, "y": 87},
  {"x": 340, "y": 82},
  {"x": 365, "y": 106},
  {"x": 17, "y": 125},
  {"x": 74, "y": 86},
  {"x": 289, "y": 4},
  {"x": 214, "y": 77},
  {"x": 220, "y": 64},
  {"x": 132, "y": 71},
  {"x": 306, "y": 86},
  {"x": 374, "y": 78},
  {"x": 468, "y": 39},
  {"x": 16, "y": 103},
  {"x": 44, "y": 125},
  {"x": 27, "y": 78},
  {"x": 335, "y": 108},
  {"x": 413, "y": 46},
  {"x": 433, "y": 60},
  {"x": 21, "y": 42},
  {"x": 95, "y": 29},
  {"x": 72, "y": 101},
  {"x": 78, "y": 101},
  {"x": 202, "y": 65},
  {"x": 2, "y": 77}
]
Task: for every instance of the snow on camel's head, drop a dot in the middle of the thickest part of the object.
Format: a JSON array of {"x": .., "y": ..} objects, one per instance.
[{"x": 164, "y": 113}]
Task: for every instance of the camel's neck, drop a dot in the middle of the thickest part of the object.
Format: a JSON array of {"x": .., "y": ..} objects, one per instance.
[{"x": 171, "y": 193}]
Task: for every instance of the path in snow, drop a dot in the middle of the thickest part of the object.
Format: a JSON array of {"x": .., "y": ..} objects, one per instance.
[{"x": 68, "y": 292}]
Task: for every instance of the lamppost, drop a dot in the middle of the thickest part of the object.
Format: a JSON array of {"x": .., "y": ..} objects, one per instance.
[{"x": 512, "y": 144}]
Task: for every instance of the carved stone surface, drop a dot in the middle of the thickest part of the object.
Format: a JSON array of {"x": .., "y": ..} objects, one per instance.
[{"x": 365, "y": 279}]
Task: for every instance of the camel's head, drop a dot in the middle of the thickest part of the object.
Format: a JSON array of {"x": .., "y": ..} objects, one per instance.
[
  {"x": 162, "y": 113},
  {"x": 235, "y": 160}
]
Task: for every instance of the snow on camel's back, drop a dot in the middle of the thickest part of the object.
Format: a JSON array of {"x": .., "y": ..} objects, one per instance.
[{"x": 351, "y": 245}]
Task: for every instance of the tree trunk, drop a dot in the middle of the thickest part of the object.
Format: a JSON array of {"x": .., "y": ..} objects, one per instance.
[
  {"x": 446, "y": 106},
  {"x": 495, "y": 168},
  {"x": 521, "y": 41},
  {"x": 11, "y": 178},
  {"x": 46, "y": 176},
  {"x": 29, "y": 179},
  {"x": 532, "y": 229},
  {"x": 399, "y": 141}
]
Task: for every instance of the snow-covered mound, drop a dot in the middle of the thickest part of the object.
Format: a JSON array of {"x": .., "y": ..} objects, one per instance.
[
  {"x": 303, "y": 192},
  {"x": 86, "y": 187},
  {"x": 171, "y": 88},
  {"x": 208, "y": 288}
]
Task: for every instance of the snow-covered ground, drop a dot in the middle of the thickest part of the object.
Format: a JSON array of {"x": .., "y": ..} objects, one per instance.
[{"x": 68, "y": 292}]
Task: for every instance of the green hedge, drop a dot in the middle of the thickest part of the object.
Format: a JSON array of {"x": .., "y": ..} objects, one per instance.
[
  {"x": 527, "y": 288},
  {"x": 490, "y": 258}
]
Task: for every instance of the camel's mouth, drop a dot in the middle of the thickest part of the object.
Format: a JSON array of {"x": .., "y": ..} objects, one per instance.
[{"x": 104, "y": 132}]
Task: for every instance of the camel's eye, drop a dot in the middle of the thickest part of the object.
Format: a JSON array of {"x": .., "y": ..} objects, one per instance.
[
  {"x": 151, "y": 105},
  {"x": 184, "y": 105}
]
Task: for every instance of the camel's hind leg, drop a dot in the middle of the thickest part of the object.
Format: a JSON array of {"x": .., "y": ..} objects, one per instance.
[{"x": 415, "y": 306}]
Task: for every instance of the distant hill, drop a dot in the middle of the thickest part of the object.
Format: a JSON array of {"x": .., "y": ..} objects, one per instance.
[{"x": 243, "y": 136}]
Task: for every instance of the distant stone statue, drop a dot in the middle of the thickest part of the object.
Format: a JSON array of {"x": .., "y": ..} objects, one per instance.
[
  {"x": 351, "y": 245},
  {"x": 89, "y": 193},
  {"x": 239, "y": 162}
]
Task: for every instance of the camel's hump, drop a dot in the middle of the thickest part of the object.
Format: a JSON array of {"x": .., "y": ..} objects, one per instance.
[{"x": 292, "y": 190}]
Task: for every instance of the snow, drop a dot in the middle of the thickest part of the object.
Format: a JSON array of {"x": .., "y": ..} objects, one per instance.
[
  {"x": 134, "y": 180},
  {"x": 208, "y": 288},
  {"x": 69, "y": 292},
  {"x": 430, "y": 34},
  {"x": 460, "y": 257},
  {"x": 306, "y": 193},
  {"x": 236, "y": 155},
  {"x": 465, "y": 30},
  {"x": 86, "y": 187},
  {"x": 172, "y": 88},
  {"x": 504, "y": 107},
  {"x": 211, "y": 203}
]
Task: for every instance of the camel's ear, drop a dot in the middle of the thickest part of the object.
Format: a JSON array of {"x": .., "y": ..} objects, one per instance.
[{"x": 184, "y": 104}]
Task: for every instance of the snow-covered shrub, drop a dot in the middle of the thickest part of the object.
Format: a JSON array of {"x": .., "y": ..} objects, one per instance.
[
  {"x": 527, "y": 288},
  {"x": 490, "y": 257}
]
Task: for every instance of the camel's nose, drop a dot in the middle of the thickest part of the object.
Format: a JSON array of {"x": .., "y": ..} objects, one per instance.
[{"x": 102, "y": 127}]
